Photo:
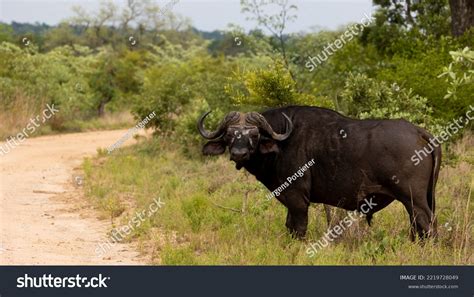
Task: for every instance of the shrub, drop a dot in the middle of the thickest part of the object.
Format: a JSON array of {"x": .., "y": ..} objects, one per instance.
[
  {"x": 460, "y": 72},
  {"x": 419, "y": 71},
  {"x": 272, "y": 86},
  {"x": 364, "y": 98}
]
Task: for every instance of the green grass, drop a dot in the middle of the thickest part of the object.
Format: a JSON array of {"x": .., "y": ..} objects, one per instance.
[{"x": 214, "y": 214}]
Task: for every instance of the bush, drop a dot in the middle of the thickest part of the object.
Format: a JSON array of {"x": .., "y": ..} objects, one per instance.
[
  {"x": 420, "y": 72},
  {"x": 182, "y": 85},
  {"x": 460, "y": 72},
  {"x": 272, "y": 86},
  {"x": 365, "y": 98}
]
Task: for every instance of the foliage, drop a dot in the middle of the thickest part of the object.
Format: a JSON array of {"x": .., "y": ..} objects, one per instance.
[
  {"x": 460, "y": 71},
  {"x": 263, "y": 13},
  {"x": 54, "y": 78},
  {"x": 367, "y": 98},
  {"x": 269, "y": 87},
  {"x": 419, "y": 70},
  {"x": 429, "y": 17},
  {"x": 399, "y": 20}
]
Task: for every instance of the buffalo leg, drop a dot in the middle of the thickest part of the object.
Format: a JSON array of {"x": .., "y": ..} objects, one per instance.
[
  {"x": 299, "y": 223},
  {"x": 297, "y": 218},
  {"x": 380, "y": 201},
  {"x": 421, "y": 219},
  {"x": 289, "y": 223},
  {"x": 327, "y": 210}
]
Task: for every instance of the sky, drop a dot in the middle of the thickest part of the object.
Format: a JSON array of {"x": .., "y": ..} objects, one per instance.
[{"x": 205, "y": 15}]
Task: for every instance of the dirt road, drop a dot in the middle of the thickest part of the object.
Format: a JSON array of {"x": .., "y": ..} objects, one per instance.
[{"x": 43, "y": 217}]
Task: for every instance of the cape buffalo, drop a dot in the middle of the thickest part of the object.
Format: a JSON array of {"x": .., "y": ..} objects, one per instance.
[{"x": 354, "y": 160}]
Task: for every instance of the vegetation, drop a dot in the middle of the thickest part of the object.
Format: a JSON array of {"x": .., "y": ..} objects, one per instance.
[
  {"x": 414, "y": 61},
  {"x": 215, "y": 218}
]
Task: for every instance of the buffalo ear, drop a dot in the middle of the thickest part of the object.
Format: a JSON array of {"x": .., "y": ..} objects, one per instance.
[
  {"x": 214, "y": 148},
  {"x": 268, "y": 145}
]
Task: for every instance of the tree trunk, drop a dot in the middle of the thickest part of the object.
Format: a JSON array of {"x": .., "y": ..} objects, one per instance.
[
  {"x": 101, "y": 109},
  {"x": 410, "y": 20},
  {"x": 462, "y": 16}
]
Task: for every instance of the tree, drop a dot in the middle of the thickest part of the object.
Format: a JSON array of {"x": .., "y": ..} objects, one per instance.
[
  {"x": 63, "y": 34},
  {"x": 116, "y": 26},
  {"x": 96, "y": 27},
  {"x": 103, "y": 82},
  {"x": 6, "y": 33},
  {"x": 275, "y": 23},
  {"x": 132, "y": 12},
  {"x": 430, "y": 17},
  {"x": 462, "y": 16}
]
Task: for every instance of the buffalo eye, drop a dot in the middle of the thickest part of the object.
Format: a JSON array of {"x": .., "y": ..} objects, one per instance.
[{"x": 253, "y": 132}]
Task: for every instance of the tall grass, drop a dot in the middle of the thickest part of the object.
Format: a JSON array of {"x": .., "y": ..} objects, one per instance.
[
  {"x": 214, "y": 214},
  {"x": 16, "y": 114}
]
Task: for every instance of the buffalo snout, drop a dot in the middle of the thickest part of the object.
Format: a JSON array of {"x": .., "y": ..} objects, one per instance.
[{"x": 239, "y": 154}]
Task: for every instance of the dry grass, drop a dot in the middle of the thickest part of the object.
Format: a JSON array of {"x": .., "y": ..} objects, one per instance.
[
  {"x": 455, "y": 189},
  {"x": 110, "y": 121},
  {"x": 16, "y": 116}
]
